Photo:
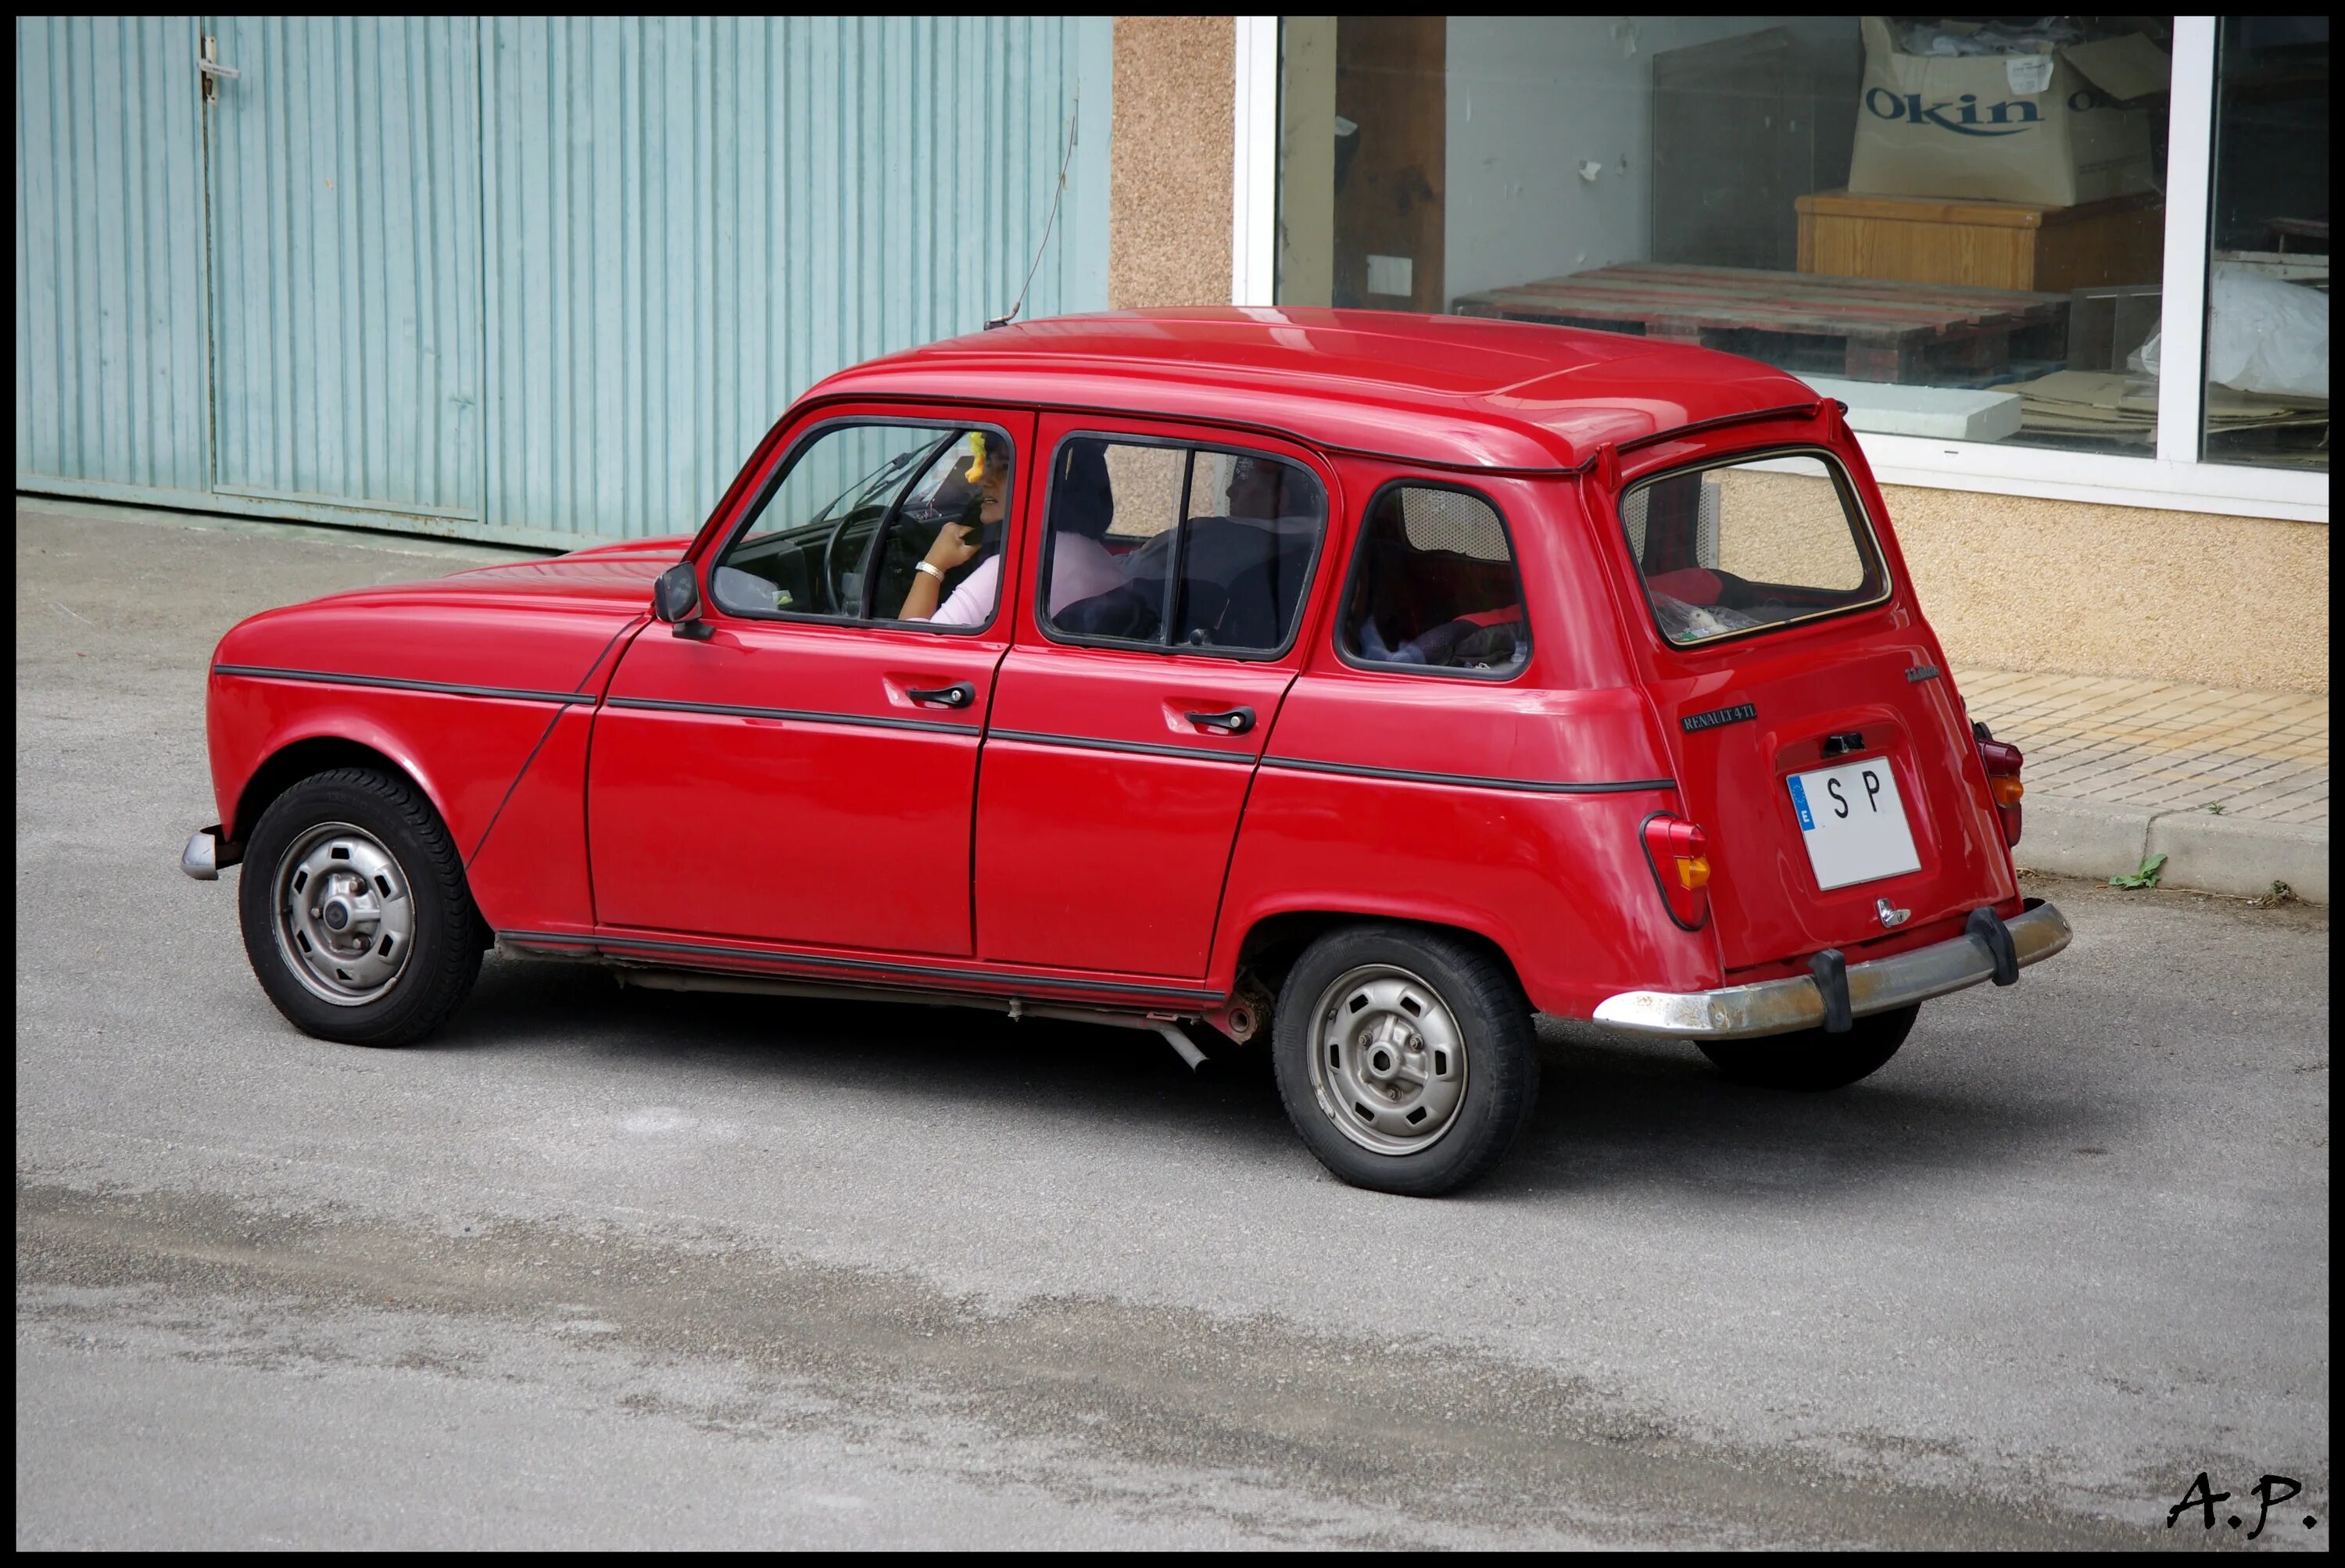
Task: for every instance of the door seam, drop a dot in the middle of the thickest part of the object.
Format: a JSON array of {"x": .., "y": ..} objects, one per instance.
[{"x": 1237, "y": 830}]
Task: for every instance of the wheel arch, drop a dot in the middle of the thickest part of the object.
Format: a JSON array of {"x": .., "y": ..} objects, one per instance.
[
  {"x": 298, "y": 760},
  {"x": 1273, "y": 941}
]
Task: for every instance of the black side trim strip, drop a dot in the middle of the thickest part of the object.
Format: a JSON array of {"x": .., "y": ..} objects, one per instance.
[
  {"x": 804, "y": 716},
  {"x": 444, "y": 687},
  {"x": 1469, "y": 781},
  {"x": 958, "y": 977},
  {"x": 1143, "y": 748}
]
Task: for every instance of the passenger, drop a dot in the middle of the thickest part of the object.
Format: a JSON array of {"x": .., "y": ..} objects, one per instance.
[
  {"x": 1257, "y": 490},
  {"x": 1082, "y": 505},
  {"x": 1487, "y": 639}
]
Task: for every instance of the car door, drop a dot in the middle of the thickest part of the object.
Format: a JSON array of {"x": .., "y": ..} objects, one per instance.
[
  {"x": 1157, "y": 633},
  {"x": 799, "y": 766}
]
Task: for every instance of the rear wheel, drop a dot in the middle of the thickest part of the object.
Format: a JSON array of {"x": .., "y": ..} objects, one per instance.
[
  {"x": 356, "y": 917},
  {"x": 1405, "y": 1058},
  {"x": 1813, "y": 1061}
]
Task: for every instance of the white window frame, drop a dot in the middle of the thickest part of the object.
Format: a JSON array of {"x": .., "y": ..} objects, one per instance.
[
  {"x": 1254, "y": 180},
  {"x": 2175, "y": 479}
]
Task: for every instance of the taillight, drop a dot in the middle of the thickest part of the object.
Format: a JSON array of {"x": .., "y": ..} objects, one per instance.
[
  {"x": 2002, "y": 760},
  {"x": 1679, "y": 853}
]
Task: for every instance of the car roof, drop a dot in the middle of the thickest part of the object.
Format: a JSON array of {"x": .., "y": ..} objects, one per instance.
[{"x": 1458, "y": 391}]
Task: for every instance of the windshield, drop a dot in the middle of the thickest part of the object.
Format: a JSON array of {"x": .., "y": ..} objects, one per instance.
[{"x": 1742, "y": 545}]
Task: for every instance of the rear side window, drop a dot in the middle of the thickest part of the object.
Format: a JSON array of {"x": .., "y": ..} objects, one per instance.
[
  {"x": 1736, "y": 547},
  {"x": 1434, "y": 586},
  {"x": 1173, "y": 546}
]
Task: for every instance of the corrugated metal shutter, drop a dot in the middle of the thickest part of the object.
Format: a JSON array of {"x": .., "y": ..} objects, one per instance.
[
  {"x": 111, "y": 379},
  {"x": 690, "y": 221},
  {"x": 346, "y": 262},
  {"x": 565, "y": 272}
]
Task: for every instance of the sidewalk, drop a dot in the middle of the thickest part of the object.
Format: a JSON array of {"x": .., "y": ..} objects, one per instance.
[{"x": 2232, "y": 786}]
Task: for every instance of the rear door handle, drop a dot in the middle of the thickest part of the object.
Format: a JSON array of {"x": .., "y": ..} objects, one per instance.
[
  {"x": 1236, "y": 721},
  {"x": 960, "y": 694}
]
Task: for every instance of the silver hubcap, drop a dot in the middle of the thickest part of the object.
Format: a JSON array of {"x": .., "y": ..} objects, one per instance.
[
  {"x": 1387, "y": 1061},
  {"x": 344, "y": 920}
]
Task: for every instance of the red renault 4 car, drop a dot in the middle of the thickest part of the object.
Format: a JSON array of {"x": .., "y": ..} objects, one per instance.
[{"x": 1367, "y": 681}]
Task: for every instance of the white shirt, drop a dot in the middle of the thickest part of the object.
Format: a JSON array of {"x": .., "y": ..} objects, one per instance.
[{"x": 1080, "y": 569}]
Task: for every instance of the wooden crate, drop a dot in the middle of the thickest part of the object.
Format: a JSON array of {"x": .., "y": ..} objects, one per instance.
[
  {"x": 1916, "y": 334},
  {"x": 1982, "y": 244}
]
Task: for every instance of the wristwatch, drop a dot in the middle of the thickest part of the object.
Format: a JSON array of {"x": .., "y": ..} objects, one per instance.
[{"x": 931, "y": 568}]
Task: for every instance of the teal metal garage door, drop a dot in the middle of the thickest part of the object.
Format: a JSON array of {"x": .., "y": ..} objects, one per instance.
[
  {"x": 537, "y": 280},
  {"x": 346, "y": 263}
]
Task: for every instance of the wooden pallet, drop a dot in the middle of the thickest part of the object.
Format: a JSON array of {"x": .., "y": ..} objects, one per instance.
[{"x": 1866, "y": 329}]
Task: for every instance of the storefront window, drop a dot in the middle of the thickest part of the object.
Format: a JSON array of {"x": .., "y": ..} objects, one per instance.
[
  {"x": 1956, "y": 227},
  {"x": 2268, "y": 278}
]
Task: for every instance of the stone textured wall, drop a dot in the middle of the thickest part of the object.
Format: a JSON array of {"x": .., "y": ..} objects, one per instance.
[
  {"x": 2015, "y": 583},
  {"x": 1169, "y": 165}
]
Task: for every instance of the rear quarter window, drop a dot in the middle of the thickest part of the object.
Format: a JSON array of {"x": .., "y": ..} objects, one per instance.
[
  {"x": 1433, "y": 589},
  {"x": 1743, "y": 545}
]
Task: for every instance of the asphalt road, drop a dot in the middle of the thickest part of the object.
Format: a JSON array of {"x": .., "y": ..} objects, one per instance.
[{"x": 632, "y": 1269}]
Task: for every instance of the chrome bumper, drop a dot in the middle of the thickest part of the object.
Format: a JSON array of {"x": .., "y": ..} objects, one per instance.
[
  {"x": 204, "y": 858},
  {"x": 1783, "y": 1006}
]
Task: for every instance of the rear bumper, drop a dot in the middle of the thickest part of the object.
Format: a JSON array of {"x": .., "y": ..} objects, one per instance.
[{"x": 1783, "y": 1006}]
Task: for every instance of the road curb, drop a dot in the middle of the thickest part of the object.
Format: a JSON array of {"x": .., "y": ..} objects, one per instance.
[{"x": 2204, "y": 852}]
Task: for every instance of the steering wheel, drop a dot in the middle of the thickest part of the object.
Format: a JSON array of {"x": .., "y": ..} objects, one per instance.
[{"x": 831, "y": 582}]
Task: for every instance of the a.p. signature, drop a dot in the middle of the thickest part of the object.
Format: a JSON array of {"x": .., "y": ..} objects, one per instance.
[{"x": 2202, "y": 1495}]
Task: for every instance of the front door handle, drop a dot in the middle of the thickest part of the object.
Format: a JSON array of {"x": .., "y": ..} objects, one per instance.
[
  {"x": 960, "y": 694},
  {"x": 1236, "y": 721}
]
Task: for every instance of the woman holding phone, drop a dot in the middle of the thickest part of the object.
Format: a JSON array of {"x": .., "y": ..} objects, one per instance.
[{"x": 1081, "y": 566}]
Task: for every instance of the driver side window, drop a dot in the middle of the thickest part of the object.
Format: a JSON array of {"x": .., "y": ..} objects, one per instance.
[{"x": 840, "y": 534}]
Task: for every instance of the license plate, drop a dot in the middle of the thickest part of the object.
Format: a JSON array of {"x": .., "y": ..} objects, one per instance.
[{"x": 1853, "y": 823}]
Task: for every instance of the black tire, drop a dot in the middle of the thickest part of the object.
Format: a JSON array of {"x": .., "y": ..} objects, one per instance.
[
  {"x": 1812, "y": 1061},
  {"x": 1497, "y": 1070},
  {"x": 443, "y": 931}
]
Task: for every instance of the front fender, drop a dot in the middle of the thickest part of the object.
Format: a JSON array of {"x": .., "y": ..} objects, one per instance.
[{"x": 463, "y": 752}]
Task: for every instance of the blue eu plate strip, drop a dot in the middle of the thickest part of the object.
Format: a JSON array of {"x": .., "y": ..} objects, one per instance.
[{"x": 1799, "y": 804}]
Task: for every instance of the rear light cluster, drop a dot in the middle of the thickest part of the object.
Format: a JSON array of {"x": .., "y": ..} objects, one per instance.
[
  {"x": 2002, "y": 785},
  {"x": 1679, "y": 852}
]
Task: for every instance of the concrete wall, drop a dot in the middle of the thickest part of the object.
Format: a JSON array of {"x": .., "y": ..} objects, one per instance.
[
  {"x": 1169, "y": 166},
  {"x": 2014, "y": 583}
]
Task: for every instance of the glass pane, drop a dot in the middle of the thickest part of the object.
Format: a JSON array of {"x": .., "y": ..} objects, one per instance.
[
  {"x": 1736, "y": 547},
  {"x": 1112, "y": 510},
  {"x": 1953, "y": 226},
  {"x": 1252, "y": 525},
  {"x": 1435, "y": 586},
  {"x": 2267, "y": 279},
  {"x": 810, "y": 542},
  {"x": 1248, "y": 528},
  {"x": 951, "y": 520}
]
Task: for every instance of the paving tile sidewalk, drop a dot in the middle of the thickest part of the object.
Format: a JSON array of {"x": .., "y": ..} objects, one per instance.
[{"x": 2128, "y": 768}]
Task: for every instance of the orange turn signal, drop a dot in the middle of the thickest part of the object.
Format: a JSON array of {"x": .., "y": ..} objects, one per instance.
[
  {"x": 2006, "y": 789},
  {"x": 1694, "y": 872}
]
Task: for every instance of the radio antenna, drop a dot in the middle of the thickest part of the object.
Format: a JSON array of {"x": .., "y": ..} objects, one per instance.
[{"x": 1074, "y": 119}]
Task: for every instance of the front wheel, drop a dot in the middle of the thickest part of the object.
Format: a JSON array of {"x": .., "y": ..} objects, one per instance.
[
  {"x": 1813, "y": 1061},
  {"x": 356, "y": 917},
  {"x": 1405, "y": 1058}
]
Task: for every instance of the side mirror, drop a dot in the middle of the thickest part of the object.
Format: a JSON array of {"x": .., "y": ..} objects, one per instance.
[{"x": 676, "y": 599}]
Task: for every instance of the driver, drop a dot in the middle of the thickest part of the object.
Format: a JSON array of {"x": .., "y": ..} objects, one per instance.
[{"x": 1082, "y": 505}]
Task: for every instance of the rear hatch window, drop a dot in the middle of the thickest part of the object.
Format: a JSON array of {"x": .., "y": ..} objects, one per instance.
[{"x": 1733, "y": 548}]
